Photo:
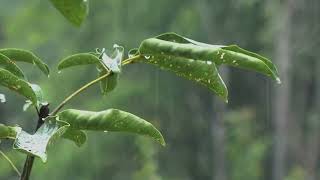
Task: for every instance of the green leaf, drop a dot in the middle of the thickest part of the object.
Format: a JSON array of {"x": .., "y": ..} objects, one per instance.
[
  {"x": 110, "y": 120},
  {"x": 77, "y": 60},
  {"x": 38, "y": 92},
  {"x": 8, "y": 132},
  {"x": 203, "y": 72},
  {"x": 110, "y": 63},
  {"x": 9, "y": 80},
  {"x": 37, "y": 143},
  {"x": 25, "y": 56},
  {"x": 9, "y": 65},
  {"x": 109, "y": 83},
  {"x": 77, "y": 136},
  {"x": 171, "y": 44},
  {"x": 75, "y": 11}
]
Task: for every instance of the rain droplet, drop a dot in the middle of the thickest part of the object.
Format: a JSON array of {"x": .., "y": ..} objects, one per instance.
[
  {"x": 147, "y": 57},
  {"x": 59, "y": 72},
  {"x": 278, "y": 80},
  {"x": 2, "y": 98},
  {"x": 234, "y": 61},
  {"x": 209, "y": 62},
  {"x": 105, "y": 131}
]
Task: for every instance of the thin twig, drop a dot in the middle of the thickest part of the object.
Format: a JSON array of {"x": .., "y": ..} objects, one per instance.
[
  {"x": 11, "y": 163},
  {"x": 54, "y": 112},
  {"x": 65, "y": 101}
]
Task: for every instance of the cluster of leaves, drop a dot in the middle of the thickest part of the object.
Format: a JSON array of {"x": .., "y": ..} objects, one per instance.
[{"x": 190, "y": 59}]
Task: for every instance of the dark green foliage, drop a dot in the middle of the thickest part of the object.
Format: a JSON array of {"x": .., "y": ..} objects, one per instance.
[
  {"x": 25, "y": 56},
  {"x": 75, "y": 11},
  {"x": 110, "y": 120}
]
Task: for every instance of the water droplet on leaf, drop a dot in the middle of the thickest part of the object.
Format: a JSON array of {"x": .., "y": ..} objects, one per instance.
[{"x": 147, "y": 57}]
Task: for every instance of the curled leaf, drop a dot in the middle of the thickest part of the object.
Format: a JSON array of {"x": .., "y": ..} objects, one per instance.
[
  {"x": 109, "y": 120},
  {"x": 37, "y": 143}
]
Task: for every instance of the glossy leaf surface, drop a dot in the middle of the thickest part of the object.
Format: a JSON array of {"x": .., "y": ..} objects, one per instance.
[{"x": 110, "y": 120}]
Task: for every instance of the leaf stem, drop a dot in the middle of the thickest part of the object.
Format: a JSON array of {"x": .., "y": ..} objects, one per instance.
[
  {"x": 65, "y": 101},
  {"x": 11, "y": 163},
  {"x": 57, "y": 109}
]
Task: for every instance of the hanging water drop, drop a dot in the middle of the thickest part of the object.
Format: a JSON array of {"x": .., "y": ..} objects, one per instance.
[
  {"x": 147, "y": 57},
  {"x": 2, "y": 98},
  {"x": 278, "y": 80}
]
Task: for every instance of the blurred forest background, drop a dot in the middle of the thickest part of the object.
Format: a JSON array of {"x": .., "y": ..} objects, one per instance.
[{"x": 266, "y": 132}]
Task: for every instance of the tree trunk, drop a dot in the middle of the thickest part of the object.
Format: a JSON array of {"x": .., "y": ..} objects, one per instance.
[
  {"x": 282, "y": 93},
  {"x": 218, "y": 134}
]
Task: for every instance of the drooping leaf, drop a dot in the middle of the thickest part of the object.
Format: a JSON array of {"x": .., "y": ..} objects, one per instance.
[
  {"x": 75, "y": 11},
  {"x": 110, "y": 120},
  {"x": 171, "y": 44},
  {"x": 203, "y": 72},
  {"x": 77, "y": 60},
  {"x": 8, "y": 132},
  {"x": 9, "y": 80},
  {"x": 9, "y": 65},
  {"x": 109, "y": 83},
  {"x": 37, "y": 143},
  {"x": 110, "y": 63},
  {"x": 77, "y": 136},
  {"x": 25, "y": 56},
  {"x": 2, "y": 98}
]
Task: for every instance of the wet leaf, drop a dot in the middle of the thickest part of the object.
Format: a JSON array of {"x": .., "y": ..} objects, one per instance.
[
  {"x": 77, "y": 136},
  {"x": 77, "y": 60},
  {"x": 75, "y": 11},
  {"x": 111, "y": 120},
  {"x": 9, "y": 80},
  {"x": 25, "y": 56},
  {"x": 203, "y": 72},
  {"x": 171, "y": 44},
  {"x": 37, "y": 143},
  {"x": 9, "y": 65}
]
